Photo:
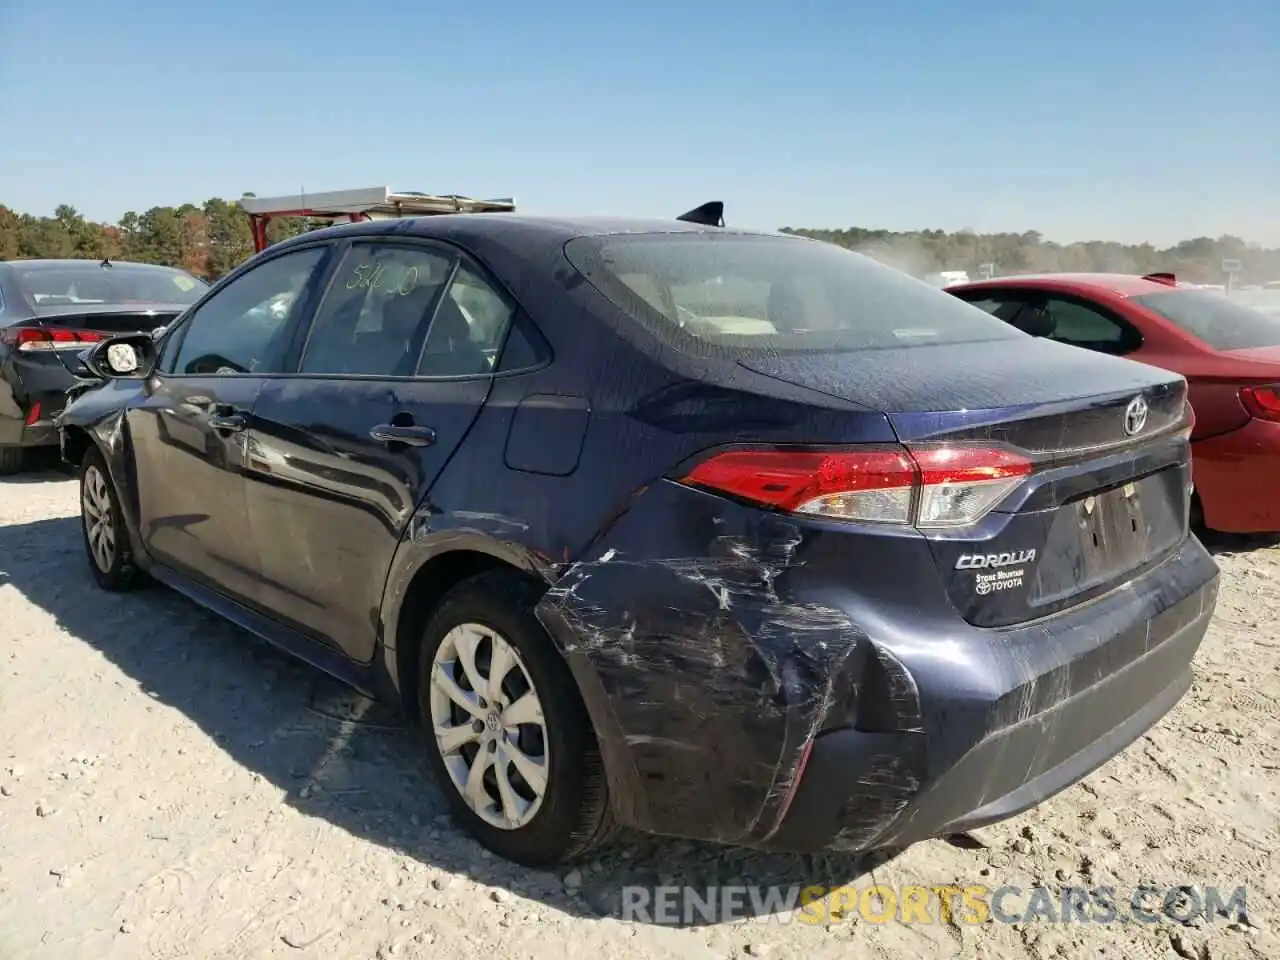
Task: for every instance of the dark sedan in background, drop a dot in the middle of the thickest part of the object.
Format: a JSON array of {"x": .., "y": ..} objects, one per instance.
[
  {"x": 728, "y": 535},
  {"x": 50, "y": 311}
]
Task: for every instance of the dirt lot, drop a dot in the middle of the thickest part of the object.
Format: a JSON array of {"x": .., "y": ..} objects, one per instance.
[{"x": 170, "y": 787}]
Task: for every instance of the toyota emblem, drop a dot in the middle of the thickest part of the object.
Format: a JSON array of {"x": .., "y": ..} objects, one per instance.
[{"x": 1135, "y": 416}]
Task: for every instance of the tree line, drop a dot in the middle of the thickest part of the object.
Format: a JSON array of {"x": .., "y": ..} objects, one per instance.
[{"x": 210, "y": 239}]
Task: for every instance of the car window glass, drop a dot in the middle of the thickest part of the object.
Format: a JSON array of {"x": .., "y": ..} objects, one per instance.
[
  {"x": 67, "y": 283},
  {"x": 1214, "y": 318},
  {"x": 725, "y": 294},
  {"x": 989, "y": 304},
  {"x": 374, "y": 316},
  {"x": 525, "y": 346},
  {"x": 468, "y": 328},
  {"x": 1082, "y": 326},
  {"x": 245, "y": 326}
]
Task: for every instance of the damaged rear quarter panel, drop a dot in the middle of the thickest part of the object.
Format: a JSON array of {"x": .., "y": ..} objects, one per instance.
[{"x": 716, "y": 672}]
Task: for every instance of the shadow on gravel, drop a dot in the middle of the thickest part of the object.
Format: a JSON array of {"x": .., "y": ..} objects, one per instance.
[
  {"x": 41, "y": 466},
  {"x": 1226, "y": 544},
  {"x": 336, "y": 755}
]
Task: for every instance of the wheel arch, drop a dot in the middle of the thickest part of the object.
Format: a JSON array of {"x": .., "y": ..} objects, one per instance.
[
  {"x": 108, "y": 436},
  {"x": 76, "y": 441},
  {"x": 413, "y": 593}
]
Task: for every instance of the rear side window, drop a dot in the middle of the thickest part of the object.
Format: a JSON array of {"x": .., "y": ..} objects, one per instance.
[
  {"x": 374, "y": 316},
  {"x": 468, "y": 328},
  {"x": 716, "y": 293},
  {"x": 525, "y": 347},
  {"x": 1215, "y": 319}
]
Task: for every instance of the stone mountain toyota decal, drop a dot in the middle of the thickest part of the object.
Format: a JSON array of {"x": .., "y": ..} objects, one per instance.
[{"x": 1002, "y": 578}]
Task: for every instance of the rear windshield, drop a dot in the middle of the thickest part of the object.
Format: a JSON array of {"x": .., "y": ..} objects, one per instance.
[
  {"x": 746, "y": 294},
  {"x": 49, "y": 285},
  {"x": 1216, "y": 319}
]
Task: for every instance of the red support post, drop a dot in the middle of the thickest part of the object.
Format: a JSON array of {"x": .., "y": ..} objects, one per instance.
[{"x": 259, "y": 224}]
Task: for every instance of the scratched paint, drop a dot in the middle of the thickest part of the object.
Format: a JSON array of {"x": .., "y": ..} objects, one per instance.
[{"x": 719, "y": 675}]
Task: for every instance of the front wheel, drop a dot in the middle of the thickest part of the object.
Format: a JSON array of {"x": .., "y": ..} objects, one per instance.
[
  {"x": 507, "y": 733},
  {"x": 106, "y": 541}
]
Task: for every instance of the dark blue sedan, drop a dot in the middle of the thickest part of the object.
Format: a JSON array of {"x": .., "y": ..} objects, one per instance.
[{"x": 710, "y": 533}]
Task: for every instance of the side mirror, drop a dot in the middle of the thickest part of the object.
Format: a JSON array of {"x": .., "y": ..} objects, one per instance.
[{"x": 131, "y": 357}]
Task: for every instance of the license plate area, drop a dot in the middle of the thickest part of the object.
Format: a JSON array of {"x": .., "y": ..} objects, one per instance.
[{"x": 1099, "y": 538}]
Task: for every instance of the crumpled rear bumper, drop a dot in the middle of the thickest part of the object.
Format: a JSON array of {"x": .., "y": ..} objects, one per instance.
[{"x": 853, "y": 779}]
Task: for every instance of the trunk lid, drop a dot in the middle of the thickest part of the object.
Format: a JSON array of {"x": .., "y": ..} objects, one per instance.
[
  {"x": 79, "y": 328},
  {"x": 1110, "y": 493}
]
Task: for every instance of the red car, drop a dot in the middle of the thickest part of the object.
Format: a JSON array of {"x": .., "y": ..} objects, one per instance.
[{"x": 1229, "y": 353}]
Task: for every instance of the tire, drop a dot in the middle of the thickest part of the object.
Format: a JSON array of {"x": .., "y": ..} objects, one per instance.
[
  {"x": 1197, "y": 516},
  {"x": 571, "y": 816},
  {"x": 106, "y": 541},
  {"x": 12, "y": 460}
]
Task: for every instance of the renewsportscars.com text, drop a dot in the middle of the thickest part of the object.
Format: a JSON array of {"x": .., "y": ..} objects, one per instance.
[{"x": 974, "y": 904}]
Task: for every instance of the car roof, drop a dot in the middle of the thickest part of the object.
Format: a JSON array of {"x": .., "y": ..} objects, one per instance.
[
  {"x": 63, "y": 263},
  {"x": 1120, "y": 284},
  {"x": 513, "y": 226}
]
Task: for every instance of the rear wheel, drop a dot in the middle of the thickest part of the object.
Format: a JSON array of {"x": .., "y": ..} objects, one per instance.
[
  {"x": 11, "y": 460},
  {"x": 505, "y": 728},
  {"x": 106, "y": 541},
  {"x": 1197, "y": 516}
]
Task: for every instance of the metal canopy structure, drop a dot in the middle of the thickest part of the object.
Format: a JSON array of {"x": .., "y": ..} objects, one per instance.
[{"x": 368, "y": 203}]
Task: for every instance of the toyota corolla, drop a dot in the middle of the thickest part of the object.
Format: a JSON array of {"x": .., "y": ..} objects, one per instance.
[{"x": 705, "y": 532}]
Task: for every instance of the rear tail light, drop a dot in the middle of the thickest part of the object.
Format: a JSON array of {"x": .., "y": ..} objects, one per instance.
[
  {"x": 926, "y": 486},
  {"x": 1263, "y": 403},
  {"x": 33, "y": 415},
  {"x": 34, "y": 339}
]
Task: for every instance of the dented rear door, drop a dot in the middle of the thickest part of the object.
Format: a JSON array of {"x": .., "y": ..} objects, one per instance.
[{"x": 341, "y": 453}]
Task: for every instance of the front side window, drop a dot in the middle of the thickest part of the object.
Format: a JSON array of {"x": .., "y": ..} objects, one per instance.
[
  {"x": 374, "y": 316},
  {"x": 738, "y": 294},
  {"x": 245, "y": 327}
]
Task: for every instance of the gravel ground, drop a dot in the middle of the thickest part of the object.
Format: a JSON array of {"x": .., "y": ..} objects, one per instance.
[{"x": 171, "y": 787}]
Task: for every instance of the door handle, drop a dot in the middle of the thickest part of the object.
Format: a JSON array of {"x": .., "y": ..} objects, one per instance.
[
  {"x": 232, "y": 422},
  {"x": 409, "y": 435}
]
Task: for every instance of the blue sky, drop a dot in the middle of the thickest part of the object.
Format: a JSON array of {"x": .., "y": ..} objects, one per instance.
[{"x": 1130, "y": 120}]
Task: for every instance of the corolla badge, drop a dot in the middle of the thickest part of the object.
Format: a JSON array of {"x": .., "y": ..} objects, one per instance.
[
  {"x": 1135, "y": 416},
  {"x": 987, "y": 561}
]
